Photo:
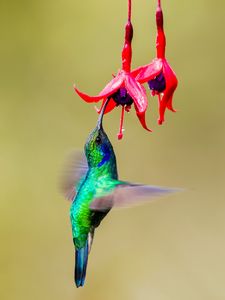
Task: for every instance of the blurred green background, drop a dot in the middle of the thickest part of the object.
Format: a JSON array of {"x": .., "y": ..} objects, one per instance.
[{"x": 170, "y": 249}]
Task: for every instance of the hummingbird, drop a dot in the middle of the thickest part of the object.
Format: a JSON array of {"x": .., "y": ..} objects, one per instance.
[{"x": 92, "y": 184}]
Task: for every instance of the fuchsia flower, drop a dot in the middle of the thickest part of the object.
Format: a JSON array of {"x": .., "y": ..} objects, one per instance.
[
  {"x": 123, "y": 89},
  {"x": 161, "y": 78}
]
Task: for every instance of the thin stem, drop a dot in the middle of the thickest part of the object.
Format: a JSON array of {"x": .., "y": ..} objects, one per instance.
[
  {"x": 160, "y": 37},
  {"x": 129, "y": 10}
]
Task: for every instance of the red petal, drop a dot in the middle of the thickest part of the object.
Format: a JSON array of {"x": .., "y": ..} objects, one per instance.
[
  {"x": 86, "y": 97},
  {"x": 113, "y": 85},
  {"x": 137, "y": 93},
  {"x": 171, "y": 85},
  {"x": 169, "y": 74},
  {"x": 136, "y": 72},
  {"x": 109, "y": 89},
  {"x": 170, "y": 105},
  {"x": 110, "y": 106},
  {"x": 162, "y": 108},
  {"x": 148, "y": 72},
  {"x": 141, "y": 117},
  {"x": 166, "y": 100}
]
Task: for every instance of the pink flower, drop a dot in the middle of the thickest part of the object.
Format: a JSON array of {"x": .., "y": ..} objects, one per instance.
[
  {"x": 161, "y": 78},
  {"x": 123, "y": 89}
]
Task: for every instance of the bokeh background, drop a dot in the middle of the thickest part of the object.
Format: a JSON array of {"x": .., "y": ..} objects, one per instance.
[{"x": 173, "y": 248}]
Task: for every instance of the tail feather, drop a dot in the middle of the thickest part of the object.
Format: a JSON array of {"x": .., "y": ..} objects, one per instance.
[
  {"x": 81, "y": 265},
  {"x": 90, "y": 238}
]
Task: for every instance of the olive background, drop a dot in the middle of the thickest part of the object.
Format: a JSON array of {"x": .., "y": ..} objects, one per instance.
[{"x": 172, "y": 248}]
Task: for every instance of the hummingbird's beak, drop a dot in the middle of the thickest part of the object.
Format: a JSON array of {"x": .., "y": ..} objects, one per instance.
[{"x": 100, "y": 118}]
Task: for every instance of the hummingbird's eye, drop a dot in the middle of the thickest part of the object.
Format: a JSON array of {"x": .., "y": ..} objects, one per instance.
[{"x": 98, "y": 140}]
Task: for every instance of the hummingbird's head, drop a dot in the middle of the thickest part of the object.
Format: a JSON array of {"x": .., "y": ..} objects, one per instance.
[{"x": 98, "y": 148}]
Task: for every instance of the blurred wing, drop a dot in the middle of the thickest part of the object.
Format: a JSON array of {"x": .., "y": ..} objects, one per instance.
[
  {"x": 74, "y": 172},
  {"x": 130, "y": 195}
]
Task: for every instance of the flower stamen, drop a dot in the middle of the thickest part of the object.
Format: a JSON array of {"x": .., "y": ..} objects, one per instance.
[{"x": 120, "y": 134}]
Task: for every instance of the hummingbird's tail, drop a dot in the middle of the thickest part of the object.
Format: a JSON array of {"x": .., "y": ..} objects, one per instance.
[{"x": 81, "y": 265}]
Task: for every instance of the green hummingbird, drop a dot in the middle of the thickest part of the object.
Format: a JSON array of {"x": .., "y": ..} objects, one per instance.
[{"x": 93, "y": 186}]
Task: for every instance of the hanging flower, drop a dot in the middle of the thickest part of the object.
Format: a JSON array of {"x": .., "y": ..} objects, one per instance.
[
  {"x": 123, "y": 89},
  {"x": 160, "y": 77}
]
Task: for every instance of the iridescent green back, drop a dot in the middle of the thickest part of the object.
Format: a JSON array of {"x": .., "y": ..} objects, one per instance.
[{"x": 100, "y": 178}]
